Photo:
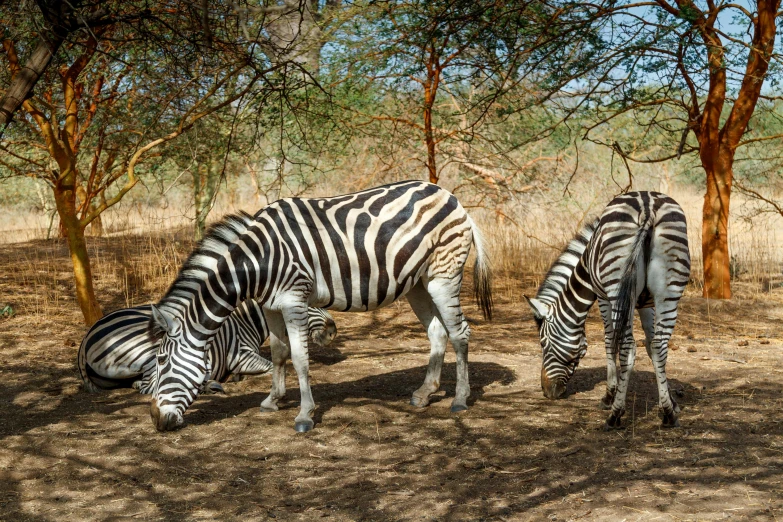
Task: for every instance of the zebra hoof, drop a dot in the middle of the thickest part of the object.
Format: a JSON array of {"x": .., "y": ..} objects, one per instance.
[
  {"x": 670, "y": 421},
  {"x": 419, "y": 402},
  {"x": 303, "y": 426},
  {"x": 268, "y": 409},
  {"x": 215, "y": 387},
  {"x": 456, "y": 408},
  {"x": 613, "y": 423}
]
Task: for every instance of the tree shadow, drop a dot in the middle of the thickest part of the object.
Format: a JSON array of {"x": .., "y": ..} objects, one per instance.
[
  {"x": 392, "y": 388},
  {"x": 643, "y": 383}
]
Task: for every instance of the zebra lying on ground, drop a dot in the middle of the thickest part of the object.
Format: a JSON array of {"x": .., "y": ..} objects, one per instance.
[
  {"x": 356, "y": 252},
  {"x": 118, "y": 351},
  {"x": 634, "y": 256}
]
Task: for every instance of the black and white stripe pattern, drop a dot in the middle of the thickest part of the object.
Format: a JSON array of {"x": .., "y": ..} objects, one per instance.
[
  {"x": 354, "y": 253},
  {"x": 634, "y": 256},
  {"x": 118, "y": 352}
]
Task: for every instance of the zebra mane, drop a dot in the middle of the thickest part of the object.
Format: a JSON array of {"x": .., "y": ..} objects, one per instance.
[
  {"x": 557, "y": 276},
  {"x": 218, "y": 241}
]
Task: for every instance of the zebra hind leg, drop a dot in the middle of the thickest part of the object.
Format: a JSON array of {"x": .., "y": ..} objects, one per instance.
[
  {"x": 627, "y": 360},
  {"x": 425, "y": 310},
  {"x": 611, "y": 357},
  {"x": 669, "y": 408},
  {"x": 647, "y": 315},
  {"x": 445, "y": 295}
]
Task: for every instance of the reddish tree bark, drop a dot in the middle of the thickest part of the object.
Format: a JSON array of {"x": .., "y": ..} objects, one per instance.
[
  {"x": 430, "y": 92},
  {"x": 718, "y": 144}
]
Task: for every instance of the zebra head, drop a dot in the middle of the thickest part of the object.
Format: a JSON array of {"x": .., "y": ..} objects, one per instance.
[
  {"x": 181, "y": 371},
  {"x": 562, "y": 348}
]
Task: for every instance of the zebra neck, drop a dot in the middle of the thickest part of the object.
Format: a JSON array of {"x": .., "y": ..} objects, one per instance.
[
  {"x": 205, "y": 303},
  {"x": 578, "y": 295}
]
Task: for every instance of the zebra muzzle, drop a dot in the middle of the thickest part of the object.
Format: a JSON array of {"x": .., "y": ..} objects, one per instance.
[
  {"x": 165, "y": 420},
  {"x": 553, "y": 389}
]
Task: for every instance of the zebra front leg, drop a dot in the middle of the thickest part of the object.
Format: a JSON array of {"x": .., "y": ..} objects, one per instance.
[
  {"x": 295, "y": 315},
  {"x": 251, "y": 363},
  {"x": 425, "y": 310},
  {"x": 146, "y": 385},
  {"x": 627, "y": 360},
  {"x": 280, "y": 353},
  {"x": 611, "y": 357},
  {"x": 445, "y": 295}
]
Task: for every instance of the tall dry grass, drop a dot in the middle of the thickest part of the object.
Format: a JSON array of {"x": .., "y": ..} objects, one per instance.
[
  {"x": 144, "y": 246},
  {"x": 524, "y": 245}
]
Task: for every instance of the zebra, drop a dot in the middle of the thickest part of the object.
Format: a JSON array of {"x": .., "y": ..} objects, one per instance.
[
  {"x": 354, "y": 253},
  {"x": 118, "y": 352},
  {"x": 635, "y": 255}
]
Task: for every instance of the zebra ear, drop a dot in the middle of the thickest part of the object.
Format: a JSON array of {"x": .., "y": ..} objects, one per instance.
[
  {"x": 164, "y": 320},
  {"x": 540, "y": 309}
]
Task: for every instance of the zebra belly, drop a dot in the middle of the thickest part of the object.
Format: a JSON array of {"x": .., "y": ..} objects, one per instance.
[
  {"x": 321, "y": 297},
  {"x": 109, "y": 370}
]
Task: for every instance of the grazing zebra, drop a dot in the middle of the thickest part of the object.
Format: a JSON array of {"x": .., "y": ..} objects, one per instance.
[
  {"x": 355, "y": 252},
  {"x": 118, "y": 352},
  {"x": 634, "y": 256}
]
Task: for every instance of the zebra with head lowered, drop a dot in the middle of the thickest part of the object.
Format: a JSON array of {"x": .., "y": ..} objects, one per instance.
[
  {"x": 635, "y": 255},
  {"x": 356, "y": 252},
  {"x": 118, "y": 352}
]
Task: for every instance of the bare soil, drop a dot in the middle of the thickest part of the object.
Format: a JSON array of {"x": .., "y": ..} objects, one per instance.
[{"x": 66, "y": 454}]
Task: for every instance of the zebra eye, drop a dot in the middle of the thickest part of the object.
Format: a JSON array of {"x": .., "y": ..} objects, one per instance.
[{"x": 162, "y": 358}]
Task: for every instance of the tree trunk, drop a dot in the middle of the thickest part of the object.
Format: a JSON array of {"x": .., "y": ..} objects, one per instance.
[
  {"x": 715, "y": 226},
  {"x": 198, "y": 196},
  {"x": 82, "y": 272},
  {"x": 96, "y": 226},
  {"x": 205, "y": 179},
  {"x": 430, "y": 92},
  {"x": 296, "y": 35},
  {"x": 24, "y": 81},
  {"x": 432, "y": 167}
]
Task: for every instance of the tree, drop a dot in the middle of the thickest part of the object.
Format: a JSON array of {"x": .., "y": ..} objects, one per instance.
[
  {"x": 295, "y": 29},
  {"x": 681, "y": 68},
  {"x": 118, "y": 93},
  {"x": 61, "y": 19},
  {"x": 447, "y": 77},
  {"x": 204, "y": 154}
]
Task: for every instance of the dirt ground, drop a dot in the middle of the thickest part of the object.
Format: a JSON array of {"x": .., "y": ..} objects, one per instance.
[{"x": 513, "y": 455}]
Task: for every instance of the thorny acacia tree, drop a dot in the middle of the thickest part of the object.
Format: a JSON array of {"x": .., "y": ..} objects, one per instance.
[
  {"x": 113, "y": 96},
  {"x": 60, "y": 19},
  {"x": 203, "y": 157},
  {"x": 454, "y": 78},
  {"x": 297, "y": 29},
  {"x": 682, "y": 68}
]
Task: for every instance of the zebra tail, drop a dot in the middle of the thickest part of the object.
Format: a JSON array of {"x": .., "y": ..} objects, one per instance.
[
  {"x": 482, "y": 274},
  {"x": 625, "y": 303}
]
